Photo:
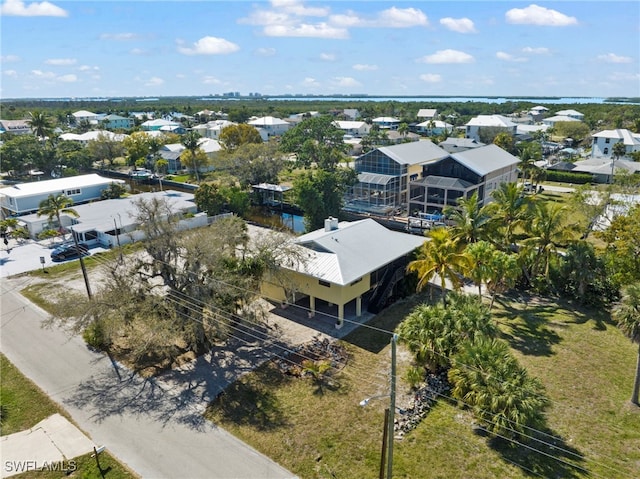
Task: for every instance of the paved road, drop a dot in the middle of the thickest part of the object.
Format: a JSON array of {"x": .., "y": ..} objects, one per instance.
[{"x": 155, "y": 427}]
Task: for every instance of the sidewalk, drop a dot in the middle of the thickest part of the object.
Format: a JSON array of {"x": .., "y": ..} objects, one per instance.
[{"x": 52, "y": 444}]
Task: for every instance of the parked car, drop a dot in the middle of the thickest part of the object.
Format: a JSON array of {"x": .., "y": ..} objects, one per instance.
[{"x": 67, "y": 251}]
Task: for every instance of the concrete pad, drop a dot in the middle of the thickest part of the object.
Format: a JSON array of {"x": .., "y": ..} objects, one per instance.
[{"x": 51, "y": 443}]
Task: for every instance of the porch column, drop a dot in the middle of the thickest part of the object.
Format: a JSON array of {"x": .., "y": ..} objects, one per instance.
[
  {"x": 312, "y": 306},
  {"x": 359, "y": 306},
  {"x": 339, "y": 323}
]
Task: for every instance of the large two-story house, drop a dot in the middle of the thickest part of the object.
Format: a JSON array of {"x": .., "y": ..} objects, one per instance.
[
  {"x": 603, "y": 141},
  {"x": 489, "y": 122},
  {"x": 423, "y": 177}
]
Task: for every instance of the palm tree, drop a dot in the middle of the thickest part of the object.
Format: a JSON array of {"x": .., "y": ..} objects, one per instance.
[
  {"x": 469, "y": 219},
  {"x": 40, "y": 124},
  {"x": 627, "y": 314},
  {"x": 487, "y": 378},
  {"x": 479, "y": 255},
  {"x": 548, "y": 231},
  {"x": 54, "y": 205},
  {"x": 503, "y": 271},
  {"x": 440, "y": 255},
  {"x": 403, "y": 129},
  {"x": 509, "y": 210}
]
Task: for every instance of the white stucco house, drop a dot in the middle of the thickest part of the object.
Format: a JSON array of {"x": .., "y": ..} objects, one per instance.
[
  {"x": 111, "y": 222},
  {"x": 84, "y": 115},
  {"x": 25, "y": 198},
  {"x": 85, "y": 138},
  {"x": 603, "y": 141},
  {"x": 386, "y": 122},
  {"x": 552, "y": 120},
  {"x": 157, "y": 125},
  {"x": 434, "y": 127},
  {"x": 571, "y": 114},
  {"x": 356, "y": 129},
  {"x": 269, "y": 126},
  {"x": 475, "y": 125}
]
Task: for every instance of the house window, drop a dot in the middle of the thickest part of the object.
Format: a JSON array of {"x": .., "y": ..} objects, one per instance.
[
  {"x": 356, "y": 281},
  {"x": 606, "y": 151},
  {"x": 607, "y": 140},
  {"x": 72, "y": 192},
  {"x": 324, "y": 283}
]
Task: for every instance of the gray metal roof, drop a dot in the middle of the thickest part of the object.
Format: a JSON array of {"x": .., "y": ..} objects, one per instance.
[
  {"x": 22, "y": 190},
  {"x": 346, "y": 254},
  {"x": 485, "y": 159},
  {"x": 414, "y": 153}
]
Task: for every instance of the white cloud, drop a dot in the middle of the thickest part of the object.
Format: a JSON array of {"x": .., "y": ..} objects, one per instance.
[
  {"x": 613, "y": 58},
  {"x": 296, "y": 7},
  {"x": 536, "y": 50},
  {"x": 9, "y": 58},
  {"x": 265, "y": 52},
  {"x": 70, "y": 78},
  {"x": 154, "y": 81},
  {"x": 88, "y": 68},
  {"x": 121, "y": 37},
  {"x": 535, "y": 15},
  {"x": 345, "y": 82},
  {"x": 447, "y": 56},
  {"x": 138, "y": 51},
  {"x": 310, "y": 82},
  {"x": 210, "y": 46},
  {"x": 390, "y": 18},
  {"x": 61, "y": 61},
  {"x": 10, "y": 73},
  {"x": 363, "y": 67},
  {"x": 43, "y": 75},
  {"x": 17, "y": 8},
  {"x": 431, "y": 77},
  {"x": 460, "y": 25},
  {"x": 327, "y": 57},
  {"x": 210, "y": 80},
  {"x": 507, "y": 57},
  {"x": 318, "y": 30},
  {"x": 402, "y": 18}
]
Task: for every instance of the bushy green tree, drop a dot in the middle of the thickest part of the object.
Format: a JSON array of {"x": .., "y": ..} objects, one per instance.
[
  {"x": 315, "y": 141},
  {"x": 235, "y": 136}
]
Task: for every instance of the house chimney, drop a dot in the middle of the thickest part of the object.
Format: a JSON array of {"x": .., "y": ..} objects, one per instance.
[{"x": 331, "y": 224}]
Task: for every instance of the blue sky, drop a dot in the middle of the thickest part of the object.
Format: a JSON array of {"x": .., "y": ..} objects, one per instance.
[{"x": 159, "y": 48}]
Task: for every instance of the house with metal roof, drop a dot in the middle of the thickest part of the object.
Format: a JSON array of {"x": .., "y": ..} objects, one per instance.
[
  {"x": 427, "y": 114},
  {"x": 386, "y": 122},
  {"x": 384, "y": 175},
  {"x": 603, "y": 141},
  {"x": 442, "y": 183},
  {"x": 486, "y": 122},
  {"x": 552, "y": 120},
  {"x": 111, "y": 222},
  {"x": 117, "y": 122},
  {"x": 455, "y": 145},
  {"x": 346, "y": 263},
  {"x": 25, "y": 198},
  {"x": 17, "y": 127}
]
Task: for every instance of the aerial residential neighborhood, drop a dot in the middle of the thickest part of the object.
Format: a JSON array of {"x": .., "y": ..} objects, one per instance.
[{"x": 294, "y": 239}]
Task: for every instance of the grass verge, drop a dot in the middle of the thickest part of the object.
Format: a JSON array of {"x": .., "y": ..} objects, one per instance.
[
  {"x": 585, "y": 363},
  {"x": 24, "y": 405}
]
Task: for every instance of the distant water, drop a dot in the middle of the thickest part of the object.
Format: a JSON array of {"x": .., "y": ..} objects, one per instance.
[{"x": 456, "y": 99}]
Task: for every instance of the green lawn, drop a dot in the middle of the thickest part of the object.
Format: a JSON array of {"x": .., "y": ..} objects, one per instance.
[
  {"x": 24, "y": 405},
  {"x": 585, "y": 363}
]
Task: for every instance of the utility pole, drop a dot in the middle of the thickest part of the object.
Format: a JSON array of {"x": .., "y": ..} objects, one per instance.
[
  {"x": 84, "y": 270},
  {"x": 392, "y": 407}
]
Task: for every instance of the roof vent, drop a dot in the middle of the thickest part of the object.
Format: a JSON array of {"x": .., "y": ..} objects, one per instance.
[{"x": 331, "y": 224}]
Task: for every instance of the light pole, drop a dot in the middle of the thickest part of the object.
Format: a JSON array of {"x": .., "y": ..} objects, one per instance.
[{"x": 389, "y": 415}]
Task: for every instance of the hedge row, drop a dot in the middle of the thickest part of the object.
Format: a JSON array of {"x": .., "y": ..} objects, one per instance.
[{"x": 569, "y": 177}]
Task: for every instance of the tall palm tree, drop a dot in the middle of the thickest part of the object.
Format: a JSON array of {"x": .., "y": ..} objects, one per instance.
[
  {"x": 440, "y": 255},
  {"x": 547, "y": 232},
  {"x": 40, "y": 124},
  {"x": 479, "y": 255},
  {"x": 54, "y": 205},
  {"x": 627, "y": 314},
  {"x": 509, "y": 210},
  {"x": 469, "y": 219}
]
